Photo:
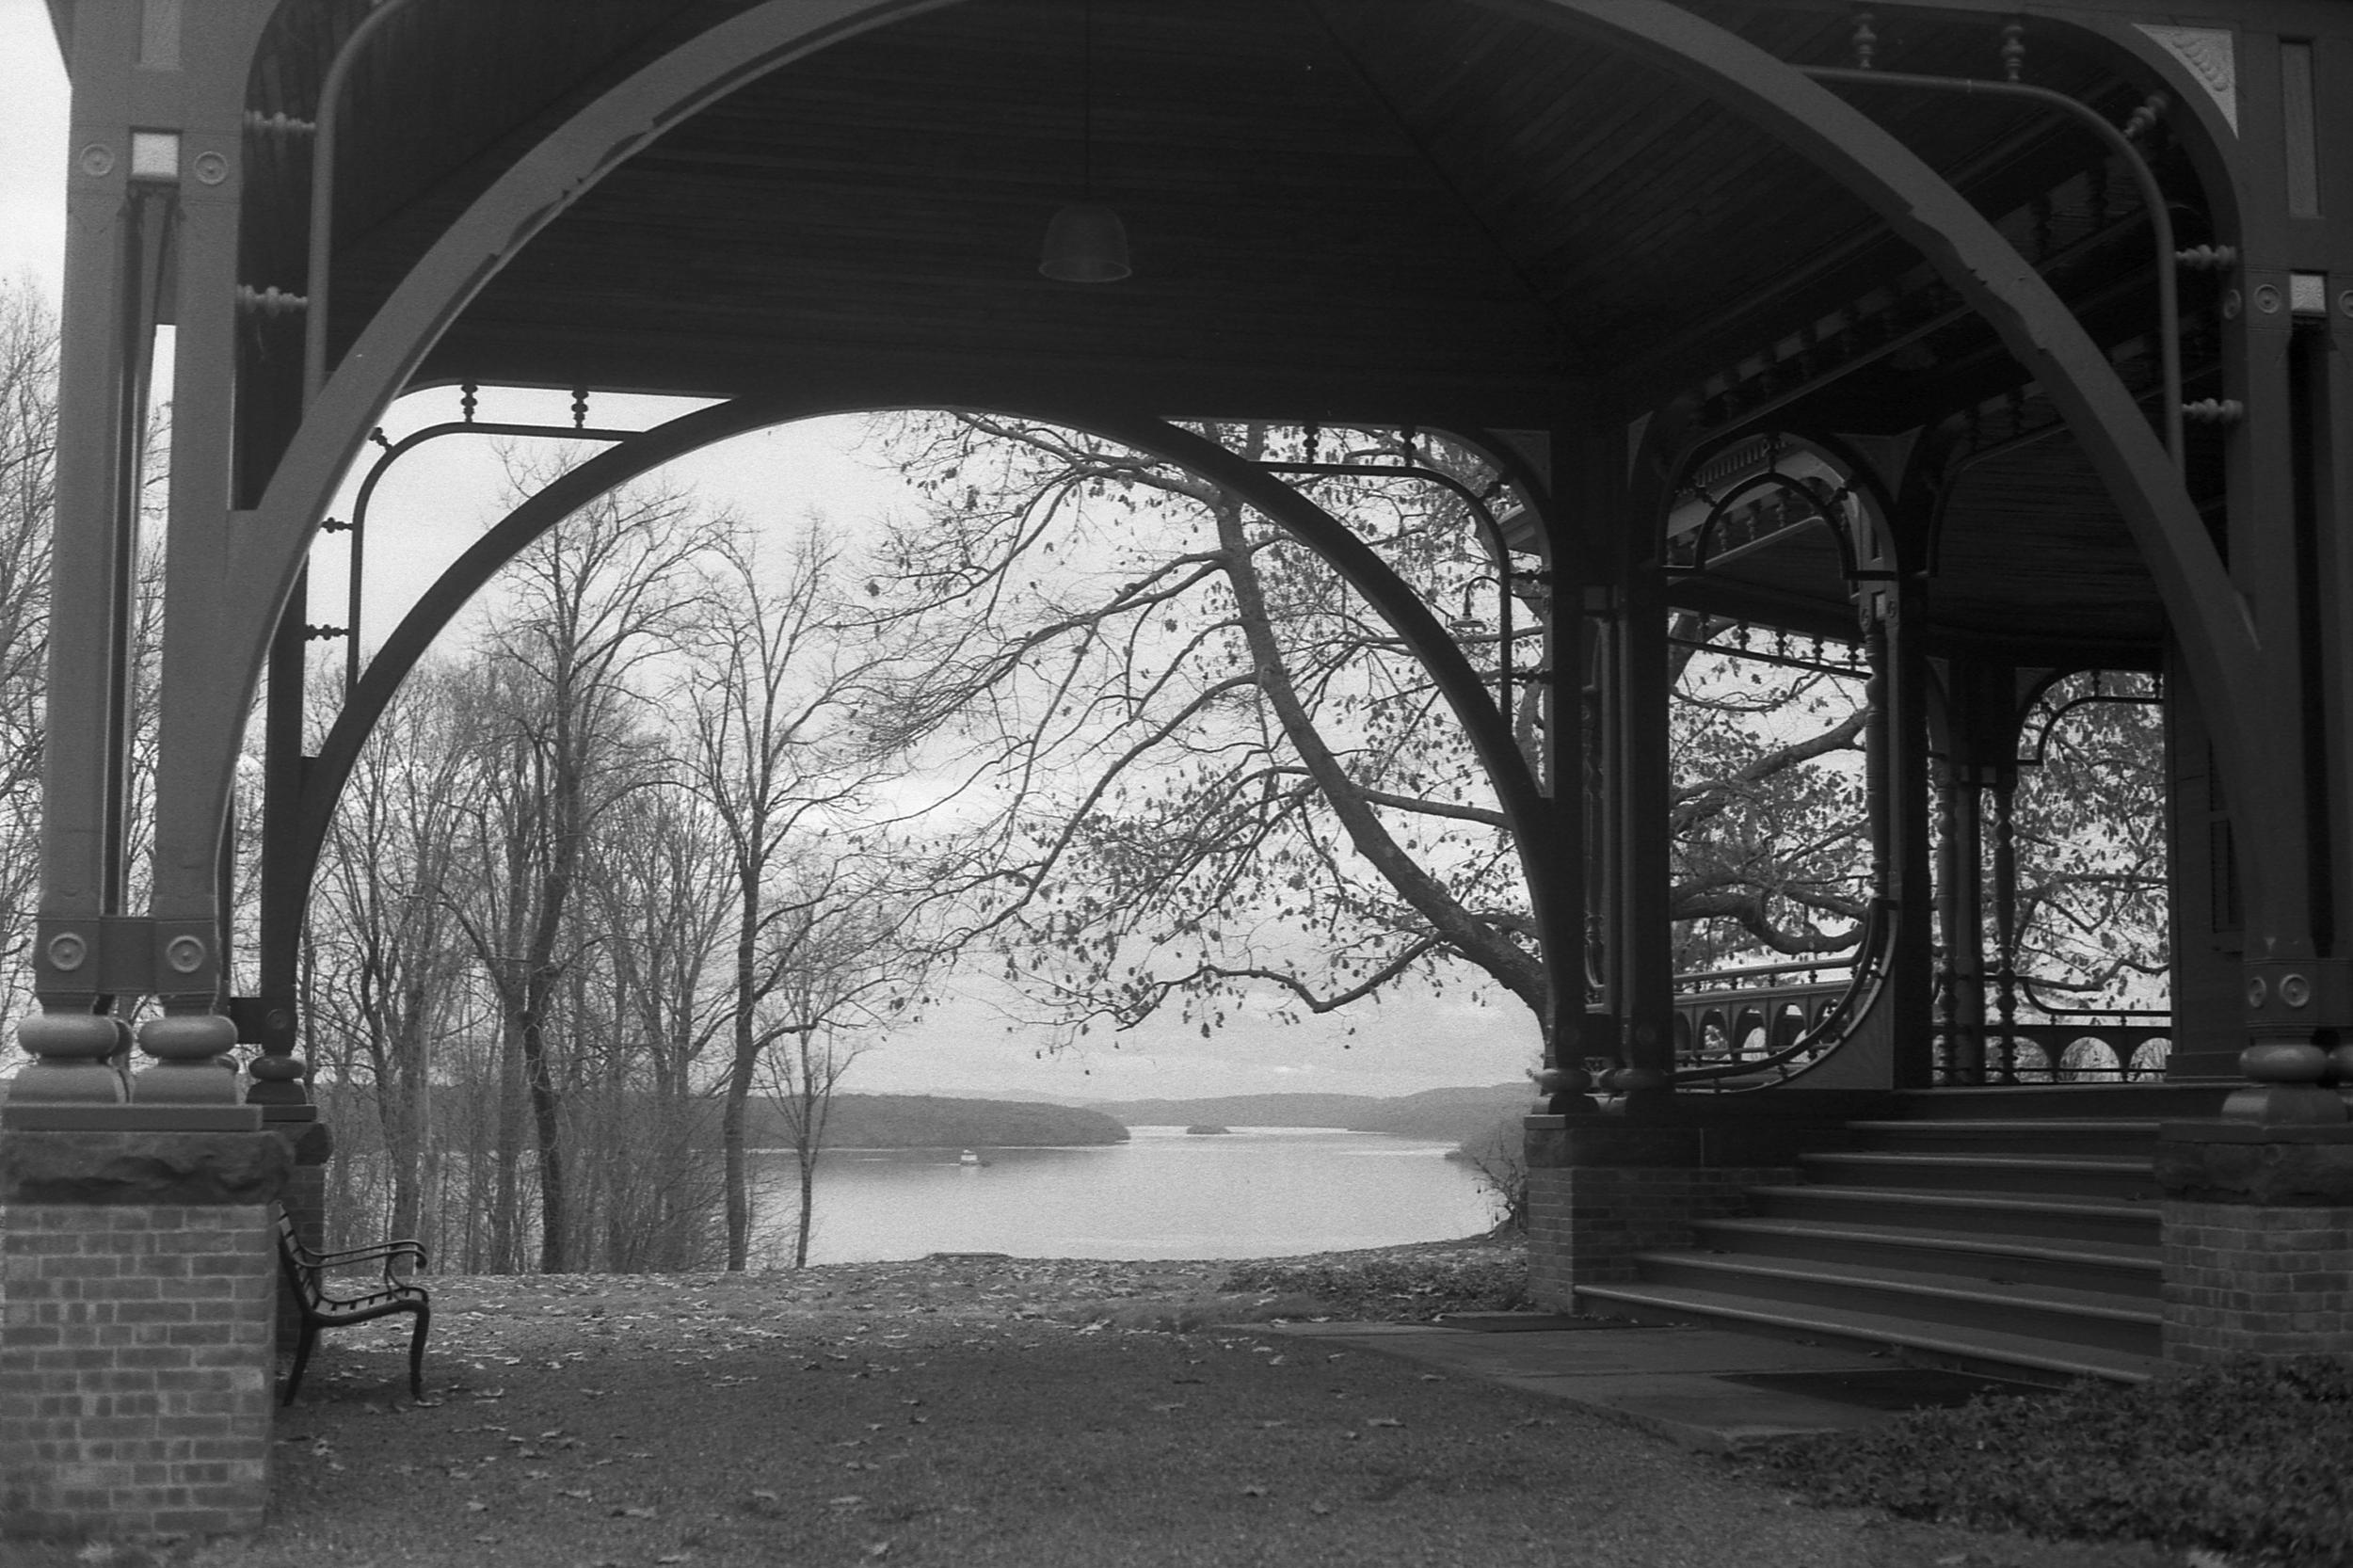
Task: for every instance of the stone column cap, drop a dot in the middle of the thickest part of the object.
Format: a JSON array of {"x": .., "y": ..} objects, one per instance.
[
  {"x": 2257, "y": 1165},
  {"x": 2219, "y": 1131},
  {"x": 139, "y": 1167}
]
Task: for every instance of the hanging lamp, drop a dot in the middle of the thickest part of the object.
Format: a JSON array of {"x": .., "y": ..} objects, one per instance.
[{"x": 1086, "y": 242}]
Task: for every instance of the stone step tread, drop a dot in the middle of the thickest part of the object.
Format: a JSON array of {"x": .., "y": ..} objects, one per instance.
[
  {"x": 2081, "y": 1164},
  {"x": 1960, "y": 1127},
  {"x": 2018, "y": 1350},
  {"x": 2008, "y": 1202},
  {"x": 2110, "y": 1305},
  {"x": 2105, "y": 1255}
]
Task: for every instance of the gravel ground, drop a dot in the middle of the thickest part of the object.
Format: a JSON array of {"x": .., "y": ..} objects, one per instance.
[{"x": 977, "y": 1412}]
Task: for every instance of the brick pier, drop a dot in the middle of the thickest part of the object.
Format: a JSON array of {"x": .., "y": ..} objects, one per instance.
[
  {"x": 2258, "y": 1239},
  {"x": 137, "y": 1277}
]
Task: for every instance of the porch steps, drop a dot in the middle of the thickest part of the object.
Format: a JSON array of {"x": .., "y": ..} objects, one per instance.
[{"x": 2017, "y": 1244}]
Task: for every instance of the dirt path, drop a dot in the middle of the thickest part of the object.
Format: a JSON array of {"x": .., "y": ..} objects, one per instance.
[{"x": 977, "y": 1412}]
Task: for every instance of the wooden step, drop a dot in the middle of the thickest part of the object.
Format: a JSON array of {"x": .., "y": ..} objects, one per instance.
[
  {"x": 2060, "y": 1314},
  {"x": 2126, "y": 1268},
  {"x": 2108, "y": 1178},
  {"x": 2047, "y": 1135},
  {"x": 1940, "y": 1344},
  {"x": 2042, "y": 1218},
  {"x": 2164, "y": 1101}
]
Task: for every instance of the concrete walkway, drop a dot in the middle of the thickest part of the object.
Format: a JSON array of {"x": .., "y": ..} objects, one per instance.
[{"x": 1691, "y": 1385}]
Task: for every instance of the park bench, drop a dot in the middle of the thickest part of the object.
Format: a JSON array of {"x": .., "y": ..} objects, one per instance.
[{"x": 306, "y": 1274}]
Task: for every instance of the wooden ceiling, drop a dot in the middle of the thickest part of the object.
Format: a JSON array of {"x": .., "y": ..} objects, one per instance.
[{"x": 1417, "y": 211}]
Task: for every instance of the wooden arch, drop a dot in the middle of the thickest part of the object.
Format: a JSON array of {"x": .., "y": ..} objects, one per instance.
[{"x": 198, "y": 751}]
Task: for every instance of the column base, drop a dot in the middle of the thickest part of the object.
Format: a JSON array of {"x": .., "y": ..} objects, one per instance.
[
  {"x": 136, "y": 1370},
  {"x": 2258, "y": 1227}
]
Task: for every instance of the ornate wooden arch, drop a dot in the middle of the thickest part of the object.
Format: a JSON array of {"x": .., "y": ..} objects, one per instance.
[{"x": 270, "y": 541}]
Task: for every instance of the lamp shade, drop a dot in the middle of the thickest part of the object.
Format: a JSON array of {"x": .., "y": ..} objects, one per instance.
[{"x": 1085, "y": 242}]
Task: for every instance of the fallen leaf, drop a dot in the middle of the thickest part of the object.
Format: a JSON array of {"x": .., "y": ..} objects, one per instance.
[
  {"x": 1319, "y": 1507},
  {"x": 475, "y": 1505},
  {"x": 762, "y": 1495},
  {"x": 1253, "y": 1491},
  {"x": 1383, "y": 1422}
]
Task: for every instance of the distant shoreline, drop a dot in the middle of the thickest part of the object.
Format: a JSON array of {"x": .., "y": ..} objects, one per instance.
[{"x": 980, "y": 1143}]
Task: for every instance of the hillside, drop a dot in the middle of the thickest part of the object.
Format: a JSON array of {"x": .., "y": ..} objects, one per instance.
[
  {"x": 934, "y": 1122},
  {"x": 1451, "y": 1114}
]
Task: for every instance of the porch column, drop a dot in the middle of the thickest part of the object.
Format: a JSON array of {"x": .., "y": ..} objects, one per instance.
[
  {"x": 1959, "y": 863},
  {"x": 1640, "y": 777},
  {"x": 2279, "y": 320},
  {"x": 136, "y": 1247},
  {"x": 2258, "y": 1209}
]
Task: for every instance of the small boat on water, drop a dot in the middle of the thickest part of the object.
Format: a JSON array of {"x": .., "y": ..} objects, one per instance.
[{"x": 968, "y": 1158}]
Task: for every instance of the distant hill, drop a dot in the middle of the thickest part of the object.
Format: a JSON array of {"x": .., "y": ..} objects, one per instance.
[
  {"x": 1454, "y": 1113},
  {"x": 934, "y": 1122}
]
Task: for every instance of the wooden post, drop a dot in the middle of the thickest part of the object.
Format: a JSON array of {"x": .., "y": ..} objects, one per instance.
[
  {"x": 2294, "y": 993},
  {"x": 1961, "y": 885},
  {"x": 1643, "y": 939}
]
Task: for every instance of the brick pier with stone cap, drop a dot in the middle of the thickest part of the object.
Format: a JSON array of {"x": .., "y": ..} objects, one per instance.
[{"x": 137, "y": 1273}]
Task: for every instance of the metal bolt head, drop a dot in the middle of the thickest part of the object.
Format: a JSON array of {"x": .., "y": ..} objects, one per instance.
[
  {"x": 185, "y": 954},
  {"x": 67, "y": 951},
  {"x": 2345, "y": 303},
  {"x": 2295, "y": 990},
  {"x": 2258, "y": 992},
  {"x": 2232, "y": 304},
  {"x": 212, "y": 168},
  {"x": 98, "y": 160},
  {"x": 2268, "y": 300}
]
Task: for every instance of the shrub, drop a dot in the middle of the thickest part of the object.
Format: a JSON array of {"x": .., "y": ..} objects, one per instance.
[{"x": 2249, "y": 1459}]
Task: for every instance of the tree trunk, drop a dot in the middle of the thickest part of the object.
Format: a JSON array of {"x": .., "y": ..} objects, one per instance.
[
  {"x": 809, "y": 1202},
  {"x": 731, "y": 1117},
  {"x": 555, "y": 1257},
  {"x": 506, "y": 1205}
]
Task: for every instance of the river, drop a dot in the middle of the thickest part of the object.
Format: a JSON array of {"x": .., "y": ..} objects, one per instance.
[{"x": 1257, "y": 1191}]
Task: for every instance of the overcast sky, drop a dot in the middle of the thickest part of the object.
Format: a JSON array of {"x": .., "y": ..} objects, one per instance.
[{"x": 435, "y": 502}]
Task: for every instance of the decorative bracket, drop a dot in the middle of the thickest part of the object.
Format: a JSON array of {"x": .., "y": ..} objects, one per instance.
[{"x": 2210, "y": 55}]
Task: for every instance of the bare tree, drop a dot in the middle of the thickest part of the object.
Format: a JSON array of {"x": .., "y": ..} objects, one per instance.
[
  {"x": 388, "y": 964},
  {"x": 2091, "y": 842},
  {"x": 587, "y": 610},
  {"x": 1211, "y": 766},
  {"x": 28, "y": 472},
  {"x": 661, "y": 904},
  {"x": 1215, "y": 769},
  {"x": 1770, "y": 850},
  {"x": 782, "y": 753},
  {"x": 841, "y": 959}
]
